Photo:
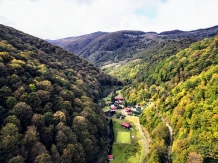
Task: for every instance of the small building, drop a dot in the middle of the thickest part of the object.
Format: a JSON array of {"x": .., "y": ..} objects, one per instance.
[
  {"x": 110, "y": 157},
  {"x": 137, "y": 105},
  {"x": 119, "y": 98},
  {"x": 113, "y": 108},
  {"x": 119, "y": 102},
  {"x": 126, "y": 125},
  {"x": 128, "y": 109}
]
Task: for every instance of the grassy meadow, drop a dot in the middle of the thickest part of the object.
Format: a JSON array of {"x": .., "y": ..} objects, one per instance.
[
  {"x": 127, "y": 153},
  {"x": 123, "y": 137}
]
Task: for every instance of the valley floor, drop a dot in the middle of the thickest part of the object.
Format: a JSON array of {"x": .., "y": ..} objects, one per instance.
[
  {"x": 128, "y": 153},
  {"x": 143, "y": 141},
  {"x": 134, "y": 152}
]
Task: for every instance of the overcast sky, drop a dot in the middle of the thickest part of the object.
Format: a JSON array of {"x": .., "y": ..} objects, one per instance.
[{"x": 54, "y": 19}]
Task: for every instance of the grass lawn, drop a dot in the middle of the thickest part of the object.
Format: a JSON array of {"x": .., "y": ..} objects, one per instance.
[
  {"x": 106, "y": 108},
  {"x": 107, "y": 100},
  {"x": 126, "y": 153},
  {"x": 123, "y": 137}
]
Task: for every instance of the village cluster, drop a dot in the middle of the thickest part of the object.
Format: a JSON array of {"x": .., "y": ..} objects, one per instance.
[
  {"x": 134, "y": 110},
  {"x": 118, "y": 109}
]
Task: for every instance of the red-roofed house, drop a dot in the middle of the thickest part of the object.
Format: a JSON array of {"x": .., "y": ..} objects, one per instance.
[
  {"x": 118, "y": 101},
  {"x": 113, "y": 108},
  {"x": 128, "y": 109},
  {"x": 126, "y": 125},
  {"x": 110, "y": 157},
  {"x": 119, "y": 98}
]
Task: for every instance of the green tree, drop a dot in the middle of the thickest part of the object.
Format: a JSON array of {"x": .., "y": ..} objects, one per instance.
[
  {"x": 45, "y": 85},
  {"x": 11, "y": 102},
  {"x": 39, "y": 153},
  {"x": 17, "y": 159},
  {"x": 34, "y": 101},
  {"x": 193, "y": 157},
  {"x": 55, "y": 154},
  {"x": 38, "y": 120},
  {"x": 43, "y": 158},
  {"x": 5, "y": 92},
  {"x": 43, "y": 95},
  {"x": 3, "y": 114},
  {"x": 31, "y": 136},
  {"x": 24, "y": 113},
  {"x": 48, "y": 117},
  {"x": 9, "y": 142},
  {"x": 32, "y": 87},
  {"x": 61, "y": 139},
  {"x": 13, "y": 119},
  {"x": 154, "y": 158}
]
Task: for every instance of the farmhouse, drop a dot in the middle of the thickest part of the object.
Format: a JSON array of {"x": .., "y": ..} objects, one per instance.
[
  {"x": 128, "y": 109},
  {"x": 137, "y": 105},
  {"x": 113, "y": 108},
  {"x": 110, "y": 157},
  {"x": 126, "y": 125},
  {"x": 119, "y": 98}
]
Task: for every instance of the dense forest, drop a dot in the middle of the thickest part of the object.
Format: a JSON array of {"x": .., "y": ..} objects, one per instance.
[
  {"x": 183, "y": 91},
  {"x": 49, "y": 109}
]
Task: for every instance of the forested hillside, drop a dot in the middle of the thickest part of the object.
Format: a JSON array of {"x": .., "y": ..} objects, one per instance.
[
  {"x": 76, "y": 44},
  {"x": 48, "y": 102},
  {"x": 109, "y": 48},
  {"x": 182, "y": 90}
]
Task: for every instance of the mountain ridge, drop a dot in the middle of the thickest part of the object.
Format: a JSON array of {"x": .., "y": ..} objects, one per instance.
[{"x": 109, "y": 47}]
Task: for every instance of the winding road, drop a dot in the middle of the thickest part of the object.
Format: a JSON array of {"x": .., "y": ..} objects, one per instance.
[
  {"x": 146, "y": 143},
  {"x": 171, "y": 140},
  {"x": 144, "y": 139}
]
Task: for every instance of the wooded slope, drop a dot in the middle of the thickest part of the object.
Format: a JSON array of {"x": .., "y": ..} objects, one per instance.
[
  {"x": 183, "y": 91},
  {"x": 48, "y": 102}
]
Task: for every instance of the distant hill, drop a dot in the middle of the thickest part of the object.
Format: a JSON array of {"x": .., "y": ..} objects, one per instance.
[
  {"x": 197, "y": 34},
  {"x": 75, "y": 44},
  {"x": 49, "y": 97},
  {"x": 103, "y": 48}
]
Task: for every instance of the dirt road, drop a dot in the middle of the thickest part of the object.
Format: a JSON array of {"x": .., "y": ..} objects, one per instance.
[{"x": 144, "y": 140}]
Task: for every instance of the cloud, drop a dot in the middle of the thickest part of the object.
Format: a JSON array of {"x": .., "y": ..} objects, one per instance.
[
  {"x": 187, "y": 15},
  {"x": 163, "y": 1},
  {"x": 149, "y": 11},
  {"x": 82, "y": 2},
  {"x": 51, "y": 19},
  {"x": 4, "y": 20}
]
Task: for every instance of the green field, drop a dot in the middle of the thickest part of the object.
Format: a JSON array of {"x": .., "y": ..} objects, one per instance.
[
  {"x": 128, "y": 153},
  {"x": 124, "y": 137}
]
